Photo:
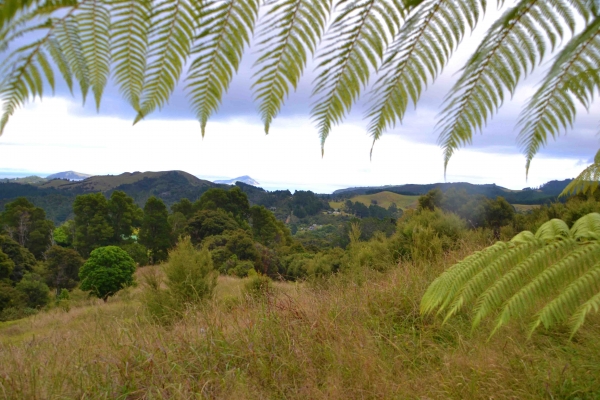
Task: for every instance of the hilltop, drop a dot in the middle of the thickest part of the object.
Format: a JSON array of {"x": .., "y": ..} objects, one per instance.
[{"x": 69, "y": 175}]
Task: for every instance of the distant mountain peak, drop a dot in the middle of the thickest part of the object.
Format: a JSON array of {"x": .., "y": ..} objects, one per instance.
[
  {"x": 70, "y": 175},
  {"x": 244, "y": 179}
]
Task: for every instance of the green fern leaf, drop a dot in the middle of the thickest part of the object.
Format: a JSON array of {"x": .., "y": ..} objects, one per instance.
[
  {"x": 552, "y": 230},
  {"x": 226, "y": 30},
  {"x": 587, "y": 180},
  {"x": 420, "y": 51},
  {"x": 172, "y": 32},
  {"x": 578, "y": 318},
  {"x": 130, "y": 46},
  {"x": 587, "y": 227},
  {"x": 294, "y": 29},
  {"x": 68, "y": 38},
  {"x": 513, "y": 46},
  {"x": 552, "y": 108},
  {"x": 357, "y": 40}
]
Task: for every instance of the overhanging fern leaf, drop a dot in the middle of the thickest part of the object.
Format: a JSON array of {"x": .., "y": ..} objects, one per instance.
[
  {"x": 513, "y": 46},
  {"x": 587, "y": 180},
  {"x": 420, "y": 51},
  {"x": 356, "y": 43},
  {"x": 226, "y": 29},
  {"x": 552, "y": 108},
  {"x": 172, "y": 32},
  {"x": 129, "y": 46},
  {"x": 553, "y": 229},
  {"x": 294, "y": 29}
]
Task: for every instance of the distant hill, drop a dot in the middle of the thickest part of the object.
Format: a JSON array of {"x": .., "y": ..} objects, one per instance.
[
  {"x": 382, "y": 199},
  {"x": 69, "y": 175},
  {"x": 244, "y": 179},
  {"x": 544, "y": 194},
  {"x": 31, "y": 180}
]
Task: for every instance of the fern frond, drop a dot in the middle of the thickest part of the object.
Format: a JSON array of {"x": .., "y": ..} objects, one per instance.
[
  {"x": 171, "y": 35},
  {"x": 586, "y": 228},
  {"x": 513, "y": 46},
  {"x": 578, "y": 318},
  {"x": 94, "y": 24},
  {"x": 294, "y": 29},
  {"x": 549, "y": 281},
  {"x": 552, "y": 108},
  {"x": 490, "y": 273},
  {"x": 356, "y": 43},
  {"x": 587, "y": 180},
  {"x": 552, "y": 230},
  {"x": 570, "y": 299},
  {"x": 68, "y": 39},
  {"x": 226, "y": 30},
  {"x": 130, "y": 46},
  {"x": 504, "y": 288},
  {"x": 419, "y": 53}
]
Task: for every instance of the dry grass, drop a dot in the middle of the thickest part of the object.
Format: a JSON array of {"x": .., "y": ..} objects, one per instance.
[
  {"x": 354, "y": 336},
  {"x": 384, "y": 199}
]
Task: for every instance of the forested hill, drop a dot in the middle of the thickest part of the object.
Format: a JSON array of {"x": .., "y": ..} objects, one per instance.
[
  {"x": 56, "y": 196},
  {"x": 544, "y": 194}
]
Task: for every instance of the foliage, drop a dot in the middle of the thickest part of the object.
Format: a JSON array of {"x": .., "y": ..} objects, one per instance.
[
  {"x": 123, "y": 215},
  {"x": 266, "y": 229},
  {"x": 92, "y": 227},
  {"x": 209, "y": 223},
  {"x": 27, "y": 224},
  {"x": 106, "y": 271},
  {"x": 147, "y": 46},
  {"x": 6, "y": 266},
  {"x": 35, "y": 290},
  {"x": 155, "y": 232},
  {"x": 233, "y": 201},
  {"x": 189, "y": 278},
  {"x": 23, "y": 260},
  {"x": 138, "y": 252},
  {"x": 586, "y": 181},
  {"x": 557, "y": 269},
  {"x": 62, "y": 267}
]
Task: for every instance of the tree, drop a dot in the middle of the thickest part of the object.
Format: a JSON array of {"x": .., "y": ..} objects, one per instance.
[
  {"x": 22, "y": 258},
  {"x": 209, "y": 223},
  {"x": 498, "y": 213},
  {"x": 92, "y": 226},
  {"x": 183, "y": 206},
  {"x": 6, "y": 266},
  {"x": 233, "y": 201},
  {"x": 266, "y": 229},
  {"x": 431, "y": 200},
  {"x": 155, "y": 232},
  {"x": 35, "y": 290},
  {"x": 63, "y": 267},
  {"x": 27, "y": 224},
  {"x": 124, "y": 215},
  {"x": 399, "y": 46},
  {"x": 106, "y": 271}
]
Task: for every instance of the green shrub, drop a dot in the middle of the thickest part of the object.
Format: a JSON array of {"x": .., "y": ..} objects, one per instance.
[
  {"x": 258, "y": 286},
  {"x": 107, "y": 271},
  {"x": 37, "y": 293},
  {"x": 138, "y": 252}
]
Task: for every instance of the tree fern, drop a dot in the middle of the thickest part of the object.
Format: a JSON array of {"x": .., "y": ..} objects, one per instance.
[
  {"x": 356, "y": 42},
  {"x": 420, "y": 51},
  {"x": 294, "y": 29},
  {"x": 573, "y": 76},
  {"x": 226, "y": 29},
  {"x": 557, "y": 268},
  {"x": 513, "y": 46},
  {"x": 587, "y": 180}
]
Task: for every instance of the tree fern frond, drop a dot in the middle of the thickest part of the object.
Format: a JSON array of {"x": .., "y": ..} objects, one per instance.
[
  {"x": 419, "y": 53},
  {"x": 94, "y": 23},
  {"x": 553, "y": 229},
  {"x": 226, "y": 29},
  {"x": 549, "y": 281},
  {"x": 587, "y": 180},
  {"x": 557, "y": 270},
  {"x": 513, "y": 46},
  {"x": 505, "y": 287},
  {"x": 356, "y": 44},
  {"x": 552, "y": 107},
  {"x": 570, "y": 299},
  {"x": 68, "y": 38},
  {"x": 130, "y": 46},
  {"x": 172, "y": 32},
  {"x": 294, "y": 29}
]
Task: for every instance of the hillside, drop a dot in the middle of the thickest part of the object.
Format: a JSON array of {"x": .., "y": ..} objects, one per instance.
[
  {"x": 382, "y": 199},
  {"x": 69, "y": 175},
  {"x": 544, "y": 194}
]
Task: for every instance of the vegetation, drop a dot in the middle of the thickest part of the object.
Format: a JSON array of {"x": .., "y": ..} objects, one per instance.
[{"x": 107, "y": 270}]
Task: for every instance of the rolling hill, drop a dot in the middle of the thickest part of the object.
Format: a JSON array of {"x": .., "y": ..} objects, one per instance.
[{"x": 382, "y": 199}]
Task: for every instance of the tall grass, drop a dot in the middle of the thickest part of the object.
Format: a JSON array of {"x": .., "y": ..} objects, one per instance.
[{"x": 355, "y": 335}]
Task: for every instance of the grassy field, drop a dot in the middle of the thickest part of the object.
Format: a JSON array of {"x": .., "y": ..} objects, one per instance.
[
  {"x": 523, "y": 208},
  {"x": 384, "y": 199},
  {"x": 354, "y": 336}
]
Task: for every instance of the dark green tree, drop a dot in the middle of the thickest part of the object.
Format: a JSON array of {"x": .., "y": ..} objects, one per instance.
[
  {"x": 233, "y": 201},
  {"x": 124, "y": 215},
  {"x": 22, "y": 258},
  {"x": 210, "y": 223},
  {"x": 138, "y": 252},
  {"x": 62, "y": 267},
  {"x": 34, "y": 288},
  {"x": 92, "y": 225},
  {"x": 106, "y": 271},
  {"x": 183, "y": 206},
  {"x": 498, "y": 213},
  {"x": 6, "y": 267},
  {"x": 27, "y": 224},
  {"x": 155, "y": 232},
  {"x": 266, "y": 229},
  {"x": 431, "y": 200}
]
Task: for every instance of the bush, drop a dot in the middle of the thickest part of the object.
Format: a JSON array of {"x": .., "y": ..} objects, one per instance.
[
  {"x": 189, "y": 279},
  {"x": 138, "y": 252},
  {"x": 258, "y": 286},
  {"x": 37, "y": 293},
  {"x": 107, "y": 271}
]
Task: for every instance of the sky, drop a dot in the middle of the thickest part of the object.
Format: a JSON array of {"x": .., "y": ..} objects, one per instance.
[{"x": 59, "y": 134}]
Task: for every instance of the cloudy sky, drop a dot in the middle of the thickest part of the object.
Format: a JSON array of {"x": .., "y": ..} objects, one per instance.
[{"x": 58, "y": 134}]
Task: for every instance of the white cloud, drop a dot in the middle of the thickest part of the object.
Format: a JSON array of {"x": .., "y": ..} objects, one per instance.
[{"x": 47, "y": 137}]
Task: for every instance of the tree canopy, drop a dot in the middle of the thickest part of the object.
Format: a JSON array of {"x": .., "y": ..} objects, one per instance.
[{"x": 396, "y": 48}]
